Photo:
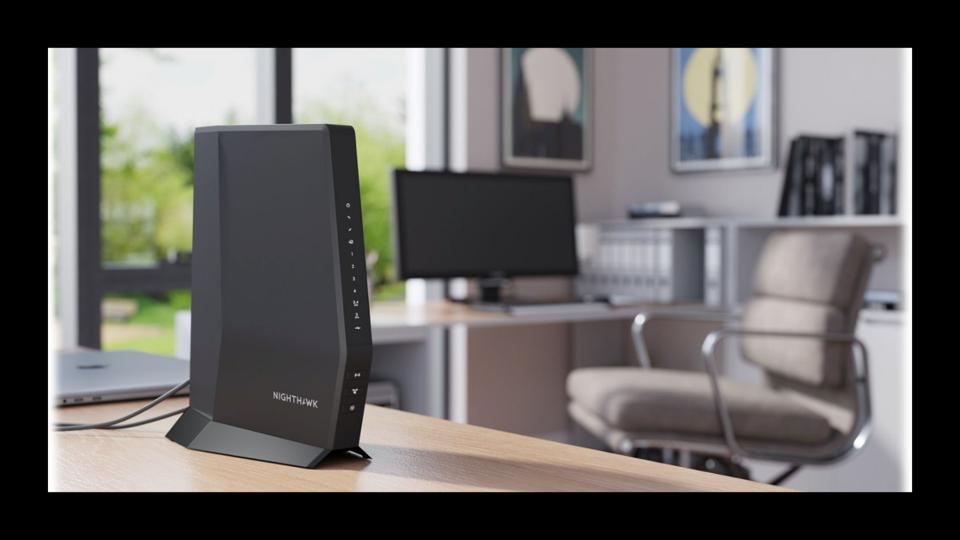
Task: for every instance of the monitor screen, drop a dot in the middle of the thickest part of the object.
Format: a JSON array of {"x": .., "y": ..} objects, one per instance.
[{"x": 479, "y": 225}]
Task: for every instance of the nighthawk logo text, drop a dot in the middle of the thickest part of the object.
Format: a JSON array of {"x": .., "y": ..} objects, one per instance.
[{"x": 296, "y": 400}]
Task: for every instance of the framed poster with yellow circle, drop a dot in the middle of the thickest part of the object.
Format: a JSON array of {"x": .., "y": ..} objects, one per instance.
[{"x": 724, "y": 115}]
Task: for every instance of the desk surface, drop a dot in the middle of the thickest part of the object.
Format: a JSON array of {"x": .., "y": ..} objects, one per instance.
[
  {"x": 399, "y": 321},
  {"x": 410, "y": 453},
  {"x": 388, "y": 315}
]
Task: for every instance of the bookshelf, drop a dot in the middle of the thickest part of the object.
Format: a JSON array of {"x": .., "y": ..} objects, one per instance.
[
  {"x": 742, "y": 239},
  {"x": 836, "y": 222},
  {"x": 840, "y": 221}
]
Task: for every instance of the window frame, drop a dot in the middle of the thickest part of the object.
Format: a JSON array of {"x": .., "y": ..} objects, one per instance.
[{"x": 94, "y": 278}]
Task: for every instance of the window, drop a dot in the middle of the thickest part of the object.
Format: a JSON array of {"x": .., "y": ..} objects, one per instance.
[
  {"x": 364, "y": 88},
  {"x": 126, "y": 208},
  {"x": 53, "y": 135},
  {"x": 151, "y": 100}
]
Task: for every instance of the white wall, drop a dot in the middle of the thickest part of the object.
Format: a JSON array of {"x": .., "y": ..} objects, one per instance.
[
  {"x": 65, "y": 195},
  {"x": 822, "y": 91}
]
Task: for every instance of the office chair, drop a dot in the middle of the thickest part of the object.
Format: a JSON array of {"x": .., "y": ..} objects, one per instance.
[{"x": 797, "y": 326}]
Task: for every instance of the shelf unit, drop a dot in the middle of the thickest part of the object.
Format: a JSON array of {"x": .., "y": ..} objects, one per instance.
[
  {"x": 841, "y": 221},
  {"x": 743, "y": 238}
]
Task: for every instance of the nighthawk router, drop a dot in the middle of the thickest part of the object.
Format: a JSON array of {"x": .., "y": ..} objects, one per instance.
[{"x": 280, "y": 342}]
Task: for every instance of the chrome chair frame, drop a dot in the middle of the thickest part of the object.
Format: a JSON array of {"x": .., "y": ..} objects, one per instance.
[
  {"x": 859, "y": 431},
  {"x": 641, "y": 320}
]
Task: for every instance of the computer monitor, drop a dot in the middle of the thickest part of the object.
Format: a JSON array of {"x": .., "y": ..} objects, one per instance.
[{"x": 483, "y": 225}]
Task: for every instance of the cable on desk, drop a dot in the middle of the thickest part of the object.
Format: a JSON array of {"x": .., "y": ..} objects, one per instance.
[
  {"x": 112, "y": 424},
  {"x": 132, "y": 424}
]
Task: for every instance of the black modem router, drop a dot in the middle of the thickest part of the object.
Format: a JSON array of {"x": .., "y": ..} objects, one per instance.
[{"x": 280, "y": 338}]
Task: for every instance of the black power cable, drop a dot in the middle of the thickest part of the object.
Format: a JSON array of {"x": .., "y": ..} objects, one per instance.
[{"x": 113, "y": 424}]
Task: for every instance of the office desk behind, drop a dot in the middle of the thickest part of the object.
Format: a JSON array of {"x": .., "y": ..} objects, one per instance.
[
  {"x": 425, "y": 350},
  {"x": 410, "y": 453},
  {"x": 463, "y": 370},
  {"x": 393, "y": 316}
]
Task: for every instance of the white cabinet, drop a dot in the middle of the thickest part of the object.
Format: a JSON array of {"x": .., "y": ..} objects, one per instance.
[{"x": 881, "y": 464}]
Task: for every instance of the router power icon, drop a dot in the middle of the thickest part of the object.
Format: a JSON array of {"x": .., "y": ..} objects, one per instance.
[{"x": 280, "y": 338}]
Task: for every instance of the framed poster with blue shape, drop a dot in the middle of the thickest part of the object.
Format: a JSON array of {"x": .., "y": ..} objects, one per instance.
[
  {"x": 546, "y": 116},
  {"x": 724, "y": 114}
]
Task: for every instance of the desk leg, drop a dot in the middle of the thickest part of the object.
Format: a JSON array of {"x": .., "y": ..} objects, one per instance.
[
  {"x": 457, "y": 374},
  {"x": 416, "y": 362},
  {"x": 437, "y": 371}
]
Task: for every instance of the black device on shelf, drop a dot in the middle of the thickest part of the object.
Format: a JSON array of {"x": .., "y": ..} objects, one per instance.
[
  {"x": 483, "y": 225},
  {"x": 658, "y": 209},
  {"x": 813, "y": 180},
  {"x": 281, "y": 345}
]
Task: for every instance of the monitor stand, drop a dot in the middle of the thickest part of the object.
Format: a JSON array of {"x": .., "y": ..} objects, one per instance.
[
  {"x": 492, "y": 299},
  {"x": 490, "y": 290}
]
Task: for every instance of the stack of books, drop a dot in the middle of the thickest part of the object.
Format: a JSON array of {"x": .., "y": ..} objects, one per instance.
[{"x": 813, "y": 181}]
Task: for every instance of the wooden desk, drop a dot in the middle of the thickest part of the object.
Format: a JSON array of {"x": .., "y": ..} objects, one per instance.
[
  {"x": 387, "y": 316},
  {"x": 410, "y": 453}
]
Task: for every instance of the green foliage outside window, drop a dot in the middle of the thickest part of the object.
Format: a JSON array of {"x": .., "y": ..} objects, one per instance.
[
  {"x": 147, "y": 190},
  {"x": 147, "y": 208},
  {"x": 380, "y": 149}
]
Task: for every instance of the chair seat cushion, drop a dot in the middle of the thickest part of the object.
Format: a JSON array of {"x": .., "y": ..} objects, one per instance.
[{"x": 659, "y": 400}]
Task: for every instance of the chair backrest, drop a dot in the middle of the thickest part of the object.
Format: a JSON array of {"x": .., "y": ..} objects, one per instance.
[{"x": 807, "y": 281}]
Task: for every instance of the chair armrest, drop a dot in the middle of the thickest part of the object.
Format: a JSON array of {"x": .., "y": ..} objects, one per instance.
[
  {"x": 636, "y": 329},
  {"x": 858, "y": 432}
]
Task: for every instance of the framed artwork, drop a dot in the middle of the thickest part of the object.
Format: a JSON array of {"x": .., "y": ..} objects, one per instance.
[
  {"x": 546, "y": 113},
  {"x": 723, "y": 104}
]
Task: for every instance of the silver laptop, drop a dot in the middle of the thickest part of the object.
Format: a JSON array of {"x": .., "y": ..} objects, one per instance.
[{"x": 94, "y": 376}]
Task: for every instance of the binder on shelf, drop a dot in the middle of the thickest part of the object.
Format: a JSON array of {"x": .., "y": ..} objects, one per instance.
[
  {"x": 664, "y": 262},
  {"x": 808, "y": 193},
  {"x": 648, "y": 268},
  {"x": 644, "y": 264},
  {"x": 713, "y": 267},
  {"x": 603, "y": 263},
  {"x": 888, "y": 177},
  {"x": 790, "y": 197},
  {"x": 634, "y": 271},
  {"x": 612, "y": 269},
  {"x": 813, "y": 182},
  {"x": 829, "y": 177},
  {"x": 875, "y": 173},
  {"x": 838, "y": 157},
  {"x": 682, "y": 253},
  {"x": 825, "y": 179}
]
